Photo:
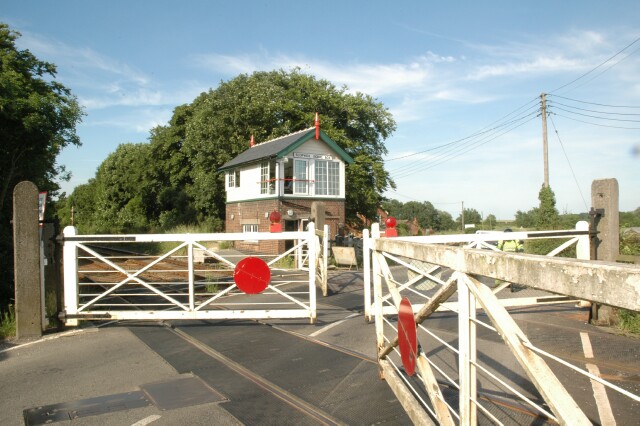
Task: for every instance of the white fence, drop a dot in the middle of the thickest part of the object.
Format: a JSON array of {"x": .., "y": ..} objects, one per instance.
[
  {"x": 106, "y": 277},
  {"x": 424, "y": 274},
  {"x": 441, "y": 375}
]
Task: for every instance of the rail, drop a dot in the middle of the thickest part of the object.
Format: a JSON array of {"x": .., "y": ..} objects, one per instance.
[
  {"x": 444, "y": 377},
  {"x": 196, "y": 277},
  {"x": 427, "y": 274}
]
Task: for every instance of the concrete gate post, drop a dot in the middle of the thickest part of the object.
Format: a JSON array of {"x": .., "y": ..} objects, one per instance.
[
  {"x": 605, "y": 200},
  {"x": 26, "y": 249},
  {"x": 317, "y": 214}
]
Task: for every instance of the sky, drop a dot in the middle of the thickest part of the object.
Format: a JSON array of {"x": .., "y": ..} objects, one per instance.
[{"x": 462, "y": 79}]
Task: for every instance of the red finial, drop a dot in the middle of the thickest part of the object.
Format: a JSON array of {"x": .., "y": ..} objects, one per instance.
[
  {"x": 317, "y": 127},
  {"x": 252, "y": 143}
]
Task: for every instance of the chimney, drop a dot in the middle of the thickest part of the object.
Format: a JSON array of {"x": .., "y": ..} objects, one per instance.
[
  {"x": 317, "y": 127},
  {"x": 252, "y": 143}
]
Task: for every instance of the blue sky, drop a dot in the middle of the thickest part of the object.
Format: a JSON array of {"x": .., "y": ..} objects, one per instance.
[{"x": 462, "y": 80}]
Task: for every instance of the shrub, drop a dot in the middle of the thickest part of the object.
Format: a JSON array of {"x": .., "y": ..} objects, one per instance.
[
  {"x": 544, "y": 246},
  {"x": 8, "y": 322}
]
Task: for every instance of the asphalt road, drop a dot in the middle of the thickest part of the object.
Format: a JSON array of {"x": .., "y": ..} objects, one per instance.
[{"x": 277, "y": 372}]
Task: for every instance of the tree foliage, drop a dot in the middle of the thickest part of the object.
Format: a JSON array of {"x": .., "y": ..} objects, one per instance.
[
  {"x": 527, "y": 219},
  {"x": 38, "y": 116},
  {"x": 427, "y": 216},
  {"x": 181, "y": 184},
  {"x": 471, "y": 216},
  {"x": 630, "y": 219},
  {"x": 547, "y": 216},
  {"x": 490, "y": 222}
]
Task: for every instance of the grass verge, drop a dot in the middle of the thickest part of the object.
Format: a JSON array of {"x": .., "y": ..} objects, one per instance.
[{"x": 8, "y": 323}]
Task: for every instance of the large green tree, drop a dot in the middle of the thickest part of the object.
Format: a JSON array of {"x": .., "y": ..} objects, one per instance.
[
  {"x": 181, "y": 184},
  {"x": 38, "y": 116},
  {"x": 275, "y": 103}
]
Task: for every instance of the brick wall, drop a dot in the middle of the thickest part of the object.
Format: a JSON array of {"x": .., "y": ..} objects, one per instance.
[{"x": 253, "y": 212}]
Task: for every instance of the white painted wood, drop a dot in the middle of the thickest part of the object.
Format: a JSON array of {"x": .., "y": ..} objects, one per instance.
[
  {"x": 559, "y": 400},
  {"x": 573, "y": 277},
  {"x": 366, "y": 264},
  {"x": 188, "y": 306},
  {"x": 464, "y": 373},
  {"x": 250, "y": 177},
  {"x": 70, "y": 260},
  {"x": 311, "y": 238},
  {"x": 414, "y": 409},
  {"x": 433, "y": 390}
]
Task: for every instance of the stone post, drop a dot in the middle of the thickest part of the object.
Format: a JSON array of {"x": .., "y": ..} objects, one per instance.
[
  {"x": 605, "y": 198},
  {"x": 27, "y": 261},
  {"x": 317, "y": 214}
]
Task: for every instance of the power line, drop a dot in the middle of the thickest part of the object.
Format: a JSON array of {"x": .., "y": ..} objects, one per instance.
[
  {"x": 569, "y": 163},
  {"x": 418, "y": 164},
  {"x": 592, "y": 110},
  {"x": 484, "y": 130},
  {"x": 596, "y": 124},
  {"x": 594, "y": 103},
  {"x": 422, "y": 166},
  {"x": 595, "y": 116},
  {"x": 600, "y": 65}
]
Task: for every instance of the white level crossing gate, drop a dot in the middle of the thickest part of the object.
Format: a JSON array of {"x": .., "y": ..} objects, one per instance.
[
  {"x": 195, "y": 276},
  {"x": 443, "y": 375}
]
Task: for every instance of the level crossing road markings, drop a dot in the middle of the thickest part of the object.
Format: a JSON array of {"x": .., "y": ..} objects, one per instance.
[
  {"x": 599, "y": 391},
  {"x": 333, "y": 324},
  {"x": 147, "y": 420}
]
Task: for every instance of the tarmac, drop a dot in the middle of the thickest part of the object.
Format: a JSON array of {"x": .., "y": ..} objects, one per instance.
[{"x": 247, "y": 372}]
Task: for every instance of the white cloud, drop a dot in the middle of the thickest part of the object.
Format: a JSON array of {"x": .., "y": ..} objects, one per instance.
[
  {"x": 375, "y": 79},
  {"x": 536, "y": 66},
  {"x": 82, "y": 58},
  {"x": 140, "y": 121}
]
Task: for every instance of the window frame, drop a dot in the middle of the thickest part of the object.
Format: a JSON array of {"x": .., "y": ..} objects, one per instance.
[
  {"x": 250, "y": 228},
  {"x": 327, "y": 178},
  {"x": 233, "y": 178},
  {"x": 300, "y": 180}
]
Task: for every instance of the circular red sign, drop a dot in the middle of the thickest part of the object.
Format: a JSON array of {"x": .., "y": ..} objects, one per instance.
[
  {"x": 275, "y": 217},
  {"x": 407, "y": 337},
  {"x": 252, "y": 275}
]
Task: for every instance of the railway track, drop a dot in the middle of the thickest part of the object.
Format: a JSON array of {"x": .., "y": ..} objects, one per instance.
[{"x": 97, "y": 275}]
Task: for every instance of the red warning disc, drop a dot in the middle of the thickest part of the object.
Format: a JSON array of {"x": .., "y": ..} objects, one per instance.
[
  {"x": 407, "y": 338},
  {"x": 252, "y": 275}
]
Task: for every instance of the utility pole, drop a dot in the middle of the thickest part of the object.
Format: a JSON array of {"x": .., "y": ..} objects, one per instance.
[
  {"x": 462, "y": 217},
  {"x": 545, "y": 145}
]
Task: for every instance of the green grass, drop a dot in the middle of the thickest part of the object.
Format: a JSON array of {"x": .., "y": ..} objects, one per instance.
[
  {"x": 8, "y": 323},
  {"x": 629, "y": 321},
  {"x": 212, "y": 288},
  {"x": 287, "y": 262}
]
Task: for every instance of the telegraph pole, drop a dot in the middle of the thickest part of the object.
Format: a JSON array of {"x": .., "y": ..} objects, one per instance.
[
  {"x": 462, "y": 217},
  {"x": 545, "y": 145}
]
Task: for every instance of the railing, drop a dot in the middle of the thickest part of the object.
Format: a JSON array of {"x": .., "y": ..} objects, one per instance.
[
  {"x": 443, "y": 375},
  {"x": 104, "y": 279},
  {"x": 428, "y": 274}
]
